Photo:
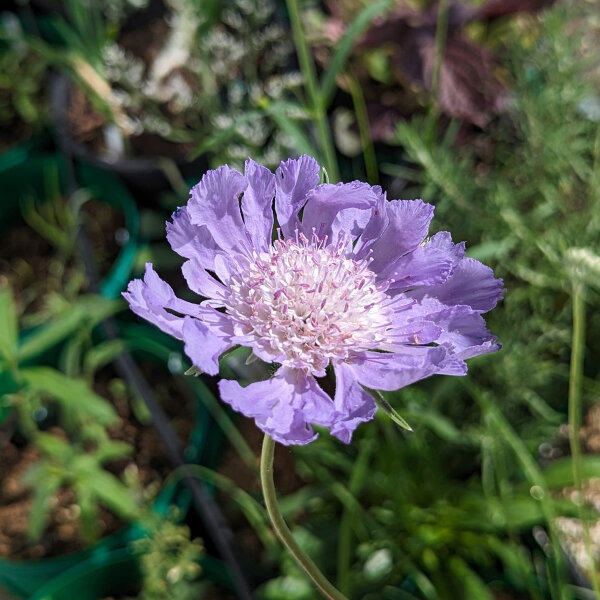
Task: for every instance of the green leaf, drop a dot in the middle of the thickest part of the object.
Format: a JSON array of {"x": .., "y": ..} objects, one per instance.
[
  {"x": 113, "y": 493},
  {"x": 559, "y": 473},
  {"x": 473, "y": 586},
  {"x": 88, "y": 309},
  {"x": 54, "y": 447},
  {"x": 113, "y": 450},
  {"x": 46, "y": 482},
  {"x": 279, "y": 111},
  {"x": 387, "y": 408},
  {"x": 102, "y": 354},
  {"x": 344, "y": 47},
  {"x": 74, "y": 394},
  {"x": 9, "y": 329},
  {"x": 70, "y": 357},
  {"x": 47, "y": 336},
  {"x": 88, "y": 516}
]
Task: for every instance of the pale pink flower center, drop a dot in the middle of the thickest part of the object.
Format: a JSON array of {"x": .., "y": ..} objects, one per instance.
[{"x": 306, "y": 304}]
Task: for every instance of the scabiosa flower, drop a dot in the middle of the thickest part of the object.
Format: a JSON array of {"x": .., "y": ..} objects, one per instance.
[{"x": 350, "y": 281}]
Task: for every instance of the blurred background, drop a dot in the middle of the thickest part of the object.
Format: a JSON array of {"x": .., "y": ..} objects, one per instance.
[{"x": 109, "y": 111}]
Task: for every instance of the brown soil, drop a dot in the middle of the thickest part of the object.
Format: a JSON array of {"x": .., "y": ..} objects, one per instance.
[
  {"x": 102, "y": 223},
  {"x": 32, "y": 267},
  {"x": 63, "y": 534}
]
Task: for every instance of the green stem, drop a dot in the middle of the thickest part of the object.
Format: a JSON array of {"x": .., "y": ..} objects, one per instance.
[
  {"x": 575, "y": 387},
  {"x": 281, "y": 528},
  {"x": 364, "y": 130},
  {"x": 307, "y": 66},
  {"x": 441, "y": 31}
]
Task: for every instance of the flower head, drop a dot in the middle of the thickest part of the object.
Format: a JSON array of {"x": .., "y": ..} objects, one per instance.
[{"x": 350, "y": 281}]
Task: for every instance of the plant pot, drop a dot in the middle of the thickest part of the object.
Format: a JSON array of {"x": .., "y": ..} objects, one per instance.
[
  {"x": 25, "y": 578},
  {"x": 19, "y": 153},
  {"x": 30, "y": 178},
  {"x": 143, "y": 175},
  {"x": 115, "y": 572},
  {"x": 112, "y": 573}
]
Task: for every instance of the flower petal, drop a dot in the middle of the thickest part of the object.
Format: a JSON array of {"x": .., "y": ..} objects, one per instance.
[
  {"x": 257, "y": 205},
  {"x": 151, "y": 297},
  {"x": 408, "y": 225},
  {"x": 392, "y": 371},
  {"x": 152, "y": 312},
  {"x": 426, "y": 265},
  {"x": 293, "y": 180},
  {"x": 283, "y": 406},
  {"x": 338, "y": 210},
  {"x": 463, "y": 329},
  {"x": 201, "y": 282},
  {"x": 472, "y": 283},
  {"x": 202, "y": 345},
  {"x": 353, "y": 405},
  {"x": 214, "y": 202},
  {"x": 373, "y": 229},
  {"x": 191, "y": 241}
]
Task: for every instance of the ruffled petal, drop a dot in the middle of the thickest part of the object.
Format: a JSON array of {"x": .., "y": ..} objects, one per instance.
[
  {"x": 201, "y": 282},
  {"x": 215, "y": 203},
  {"x": 426, "y": 265},
  {"x": 202, "y": 345},
  {"x": 339, "y": 211},
  {"x": 293, "y": 180},
  {"x": 149, "y": 298},
  {"x": 257, "y": 205},
  {"x": 443, "y": 241},
  {"x": 373, "y": 229},
  {"x": 353, "y": 405},
  {"x": 392, "y": 371},
  {"x": 191, "y": 241},
  {"x": 472, "y": 283},
  {"x": 153, "y": 313},
  {"x": 463, "y": 329},
  {"x": 284, "y": 406},
  {"x": 408, "y": 225}
]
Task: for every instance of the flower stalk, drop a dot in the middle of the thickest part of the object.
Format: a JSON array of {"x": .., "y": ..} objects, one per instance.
[
  {"x": 281, "y": 528},
  {"x": 575, "y": 401}
]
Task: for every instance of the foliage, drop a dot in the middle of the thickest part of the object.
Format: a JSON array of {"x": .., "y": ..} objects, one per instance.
[
  {"x": 74, "y": 454},
  {"x": 170, "y": 560},
  {"x": 55, "y": 405},
  {"x": 22, "y": 81}
]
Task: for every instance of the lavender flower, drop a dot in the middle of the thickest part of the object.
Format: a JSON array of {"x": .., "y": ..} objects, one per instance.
[{"x": 350, "y": 281}]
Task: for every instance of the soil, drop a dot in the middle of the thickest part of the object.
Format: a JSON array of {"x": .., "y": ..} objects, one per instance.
[
  {"x": 32, "y": 267},
  {"x": 63, "y": 534}
]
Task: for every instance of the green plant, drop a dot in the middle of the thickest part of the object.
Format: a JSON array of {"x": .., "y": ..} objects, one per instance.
[
  {"x": 22, "y": 82},
  {"x": 73, "y": 455},
  {"x": 170, "y": 560}
]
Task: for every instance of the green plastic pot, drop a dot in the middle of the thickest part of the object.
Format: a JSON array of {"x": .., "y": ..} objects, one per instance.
[
  {"x": 24, "y": 151},
  {"x": 103, "y": 575},
  {"x": 29, "y": 178},
  {"x": 113, "y": 573},
  {"x": 24, "y": 578}
]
